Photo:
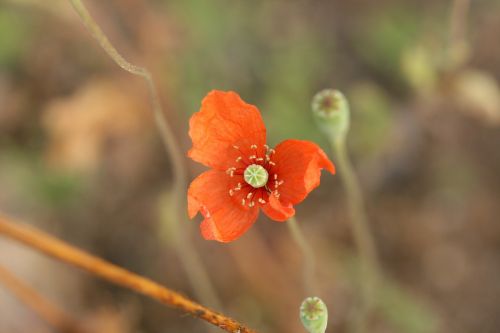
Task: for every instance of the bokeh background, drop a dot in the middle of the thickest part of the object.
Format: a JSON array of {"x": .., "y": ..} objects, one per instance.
[{"x": 80, "y": 156}]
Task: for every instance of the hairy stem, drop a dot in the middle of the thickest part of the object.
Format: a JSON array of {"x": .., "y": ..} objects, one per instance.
[
  {"x": 47, "y": 311},
  {"x": 361, "y": 231},
  {"x": 69, "y": 254},
  {"x": 197, "y": 275},
  {"x": 309, "y": 261}
]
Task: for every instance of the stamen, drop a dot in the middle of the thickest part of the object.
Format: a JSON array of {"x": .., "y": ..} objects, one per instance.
[
  {"x": 266, "y": 147},
  {"x": 252, "y": 157},
  {"x": 262, "y": 201},
  {"x": 276, "y": 182},
  {"x": 251, "y": 204},
  {"x": 259, "y": 159},
  {"x": 238, "y": 159},
  {"x": 236, "y": 147},
  {"x": 243, "y": 202},
  {"x": 272, "y": 163},
  {"x": 231, "y": 192},
  {"x": 231, "y": 171},
  {"x": 249, "y": 195},
  {"x": 253, "y": 147}
]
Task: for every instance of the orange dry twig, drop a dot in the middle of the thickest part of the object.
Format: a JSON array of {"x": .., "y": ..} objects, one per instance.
[
  {"x": 60, "y": 250},
  {"x": 47, "y": 311}
]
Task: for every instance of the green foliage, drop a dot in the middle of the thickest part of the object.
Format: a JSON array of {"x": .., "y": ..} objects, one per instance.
[
  {"x": 396, "y": 306},
  {"x": 290, "y": 76},
  {"x": 403, "y": 311},
  {"x": 372, "y": 119},
  {"x": 14, "y": 37},
  {"x": 383, "y": 37},
  {"x": 36, "y": 183},
  {"x": 213, "y": 54},
  {"x": 242, "y": 50},
  {"x": 419, "y": 66}
]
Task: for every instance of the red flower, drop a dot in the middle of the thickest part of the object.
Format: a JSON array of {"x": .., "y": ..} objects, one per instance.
[{"x": 229, "y": 136}]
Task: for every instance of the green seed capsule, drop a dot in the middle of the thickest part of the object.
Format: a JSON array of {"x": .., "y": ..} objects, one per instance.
[
  {"x": 314, "y": 315},
  {"x": 331, "y": 113},
  {"x": 256, "y": 175}
]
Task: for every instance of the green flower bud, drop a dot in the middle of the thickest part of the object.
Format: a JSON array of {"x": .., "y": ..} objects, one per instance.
[
  {"x": 314, "y": 315},
  {"x": 331, "y": 113}
]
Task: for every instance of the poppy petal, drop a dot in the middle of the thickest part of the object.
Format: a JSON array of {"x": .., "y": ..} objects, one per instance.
[
  {"x": 277, "y": 211},
  {"x": 298, "y": 165},
  {"x": 225, "y": 220},
  {"x": 223, "y": 121}
]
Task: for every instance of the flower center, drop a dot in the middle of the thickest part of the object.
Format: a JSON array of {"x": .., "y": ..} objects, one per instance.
[{"x": 256, "y": 175}]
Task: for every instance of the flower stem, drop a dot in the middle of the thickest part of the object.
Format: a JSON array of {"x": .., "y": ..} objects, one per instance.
[
  {"x": 309, "y": 261},
  {"x": 69, "y": 254},
  {"x": 47, "y": 311},
  {"x": 361, "y": 231},
  {"x": 193, "y": 265}
]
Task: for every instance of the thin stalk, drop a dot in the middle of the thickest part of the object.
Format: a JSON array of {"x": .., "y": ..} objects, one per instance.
[
  {"x": 309, "y": 261},
  {"x": 458, "y": 21},
  {"x": 47, "y": 311},
  {"x": 69, "y": 254},
  {"x": 165, "y": 131},
  {"x": 361, "y": 232},
  {"x": 197, "y": 275},
  {"x": 457, "y": 51}
]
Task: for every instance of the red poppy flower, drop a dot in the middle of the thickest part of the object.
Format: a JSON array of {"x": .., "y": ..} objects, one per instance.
[{"x": 229, "y": 136}]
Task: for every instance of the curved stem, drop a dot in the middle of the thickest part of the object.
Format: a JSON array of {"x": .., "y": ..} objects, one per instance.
[
  {"x": 165, "y": 131},
  {"x": 193, "y": 265},
  {"x": 62, "y": 251},
  {"x": 46, "y": 310},
  {"x": 361, "y": 231},
  {"x": 309, "y": 261}
]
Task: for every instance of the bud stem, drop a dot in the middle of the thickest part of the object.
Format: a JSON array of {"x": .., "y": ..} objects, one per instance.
[
  {"x": 309, "y": 261},
  {"x": 361, "y": 231}
]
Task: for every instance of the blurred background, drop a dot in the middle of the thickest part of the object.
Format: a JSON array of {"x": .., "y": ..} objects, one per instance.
[{"x": 81, "y": 158}]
